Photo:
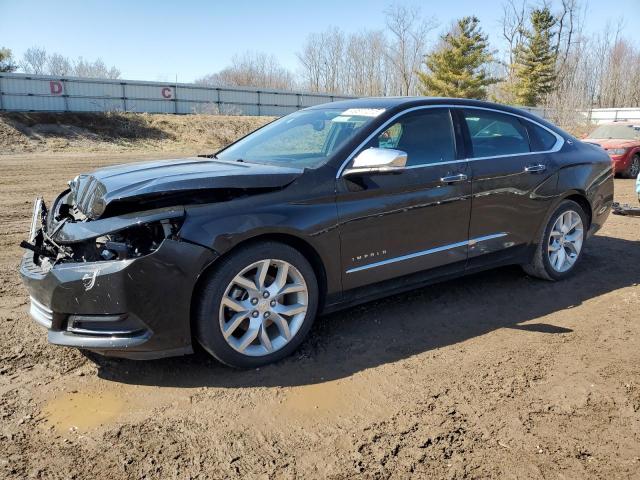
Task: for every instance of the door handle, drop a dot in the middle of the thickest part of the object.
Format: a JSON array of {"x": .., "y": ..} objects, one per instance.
[
  {"x": 459, "y": 177},
  {"x": 535, "y": 168}
]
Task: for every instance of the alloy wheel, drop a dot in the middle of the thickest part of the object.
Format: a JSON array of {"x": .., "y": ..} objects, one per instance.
[
  {"x": 263, "y": 307},
  {"x": 635, "y": 167},
  {"x": 565, "y": 241}
]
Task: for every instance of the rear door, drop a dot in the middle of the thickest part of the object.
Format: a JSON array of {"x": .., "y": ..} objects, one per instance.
[
  {"x": 396, "y": 224},
  {"x": 510, "y": 167}
]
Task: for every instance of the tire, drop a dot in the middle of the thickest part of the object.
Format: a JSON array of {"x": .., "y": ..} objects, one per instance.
[
  {"x": 222, "y": 301},
  {"x": 541, "y": 264},
  {"x": 634, "y": 167}
]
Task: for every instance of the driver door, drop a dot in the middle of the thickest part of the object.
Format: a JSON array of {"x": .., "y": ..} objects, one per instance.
[{"x": 394, "y": 224}]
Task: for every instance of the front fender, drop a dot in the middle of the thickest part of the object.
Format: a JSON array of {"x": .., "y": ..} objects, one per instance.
[{"x": 222, "y": 227}]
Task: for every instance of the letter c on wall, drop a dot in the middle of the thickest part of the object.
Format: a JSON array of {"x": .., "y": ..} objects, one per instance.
[
  {"x": 166, "y": 92},
  {"x": 55, "y": 87}
]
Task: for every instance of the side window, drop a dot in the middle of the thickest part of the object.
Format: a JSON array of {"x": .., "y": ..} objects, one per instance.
[
  {"x": 494, "y": 133},
  {"x": 541, "y": 139},
  {"x": 425, "y": 135}
]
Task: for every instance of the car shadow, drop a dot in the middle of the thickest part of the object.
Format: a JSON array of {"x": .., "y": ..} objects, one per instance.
[{"x": 400, "y": 326}]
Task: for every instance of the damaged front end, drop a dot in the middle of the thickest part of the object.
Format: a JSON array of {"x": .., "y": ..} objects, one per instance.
[
  {"x": 65, "y": 234},
  {"x": 120, "y": 285},
  {"x": 106, "y": 266}
]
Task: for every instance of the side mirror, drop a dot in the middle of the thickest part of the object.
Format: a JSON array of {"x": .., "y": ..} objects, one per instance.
[{"x": 377, "y": 160}]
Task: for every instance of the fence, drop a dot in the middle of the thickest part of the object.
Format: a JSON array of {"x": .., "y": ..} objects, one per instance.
[
  {"x": 599, "y": 115},
  {"x": 595, "y": 115},
  {"x": 20, "y": 92}
]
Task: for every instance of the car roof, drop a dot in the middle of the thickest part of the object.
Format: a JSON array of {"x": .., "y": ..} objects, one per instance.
[{"x": 402, "y": 103}]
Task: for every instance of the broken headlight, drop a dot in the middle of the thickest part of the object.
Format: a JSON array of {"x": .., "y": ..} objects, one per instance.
[{"x": 132, "y": 242}]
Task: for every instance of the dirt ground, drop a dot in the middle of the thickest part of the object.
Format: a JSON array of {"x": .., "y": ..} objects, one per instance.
[{"x": 496, "y": 375}]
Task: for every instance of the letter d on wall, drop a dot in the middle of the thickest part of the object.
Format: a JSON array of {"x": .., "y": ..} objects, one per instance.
[{"x": 56, "y": 87}]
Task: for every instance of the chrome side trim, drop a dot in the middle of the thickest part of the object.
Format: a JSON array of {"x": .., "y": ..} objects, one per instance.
[
  {"x": 443, "y": 248},
  {"x": 556, "y": 147},
  {"x": 484, "y": 238},
  {"x": 41, "y": 314}
]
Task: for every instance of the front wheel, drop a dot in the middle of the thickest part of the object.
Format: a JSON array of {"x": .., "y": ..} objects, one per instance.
[
  {"x": 257, "y": 305},
  {"x": 559, "y": 250}
]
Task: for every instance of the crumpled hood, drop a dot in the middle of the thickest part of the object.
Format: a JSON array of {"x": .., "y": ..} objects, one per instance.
[{"x": 93, "y": 192}]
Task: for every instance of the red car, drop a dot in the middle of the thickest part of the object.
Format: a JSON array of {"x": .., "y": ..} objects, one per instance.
[{"x": 621, "y": 140}]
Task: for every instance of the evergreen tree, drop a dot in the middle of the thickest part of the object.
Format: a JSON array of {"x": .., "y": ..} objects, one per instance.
[
  {"x": 6, "y": 61},
  {"x": 457, "y": 68},
  {"x": 534, "y": 68}
]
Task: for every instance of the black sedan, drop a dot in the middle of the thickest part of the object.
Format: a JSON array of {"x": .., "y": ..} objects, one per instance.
[{"x": 324, "y": 208}]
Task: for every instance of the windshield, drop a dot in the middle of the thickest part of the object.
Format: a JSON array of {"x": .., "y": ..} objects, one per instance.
[
  {"x": 304, "y": 139},
  {"x": 621, "y": 131}
]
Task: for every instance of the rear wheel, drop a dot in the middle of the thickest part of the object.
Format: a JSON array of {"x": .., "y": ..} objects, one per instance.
[
  {"x": 634, "y": 167},
  {"x": 257, "y": 306},
  {"x": 560, "y": 247}
]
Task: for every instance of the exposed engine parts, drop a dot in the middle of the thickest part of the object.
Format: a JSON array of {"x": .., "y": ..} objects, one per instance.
[{"x": 123, "y": 238}]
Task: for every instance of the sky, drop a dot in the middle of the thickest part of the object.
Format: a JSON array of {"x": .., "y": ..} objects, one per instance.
[{"x": 162, "y": 40}]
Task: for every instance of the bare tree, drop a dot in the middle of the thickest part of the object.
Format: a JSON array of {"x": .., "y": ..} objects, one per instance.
[
  {"x": 369, "y": 62},
  {"x": 334, "y": 47},
  {"x": 568, "y": 24},
  {"x": 37, "y": 61},
  {"x": 408, "y": 32},
  {"x": 513, "y": 21},
  {"x": 34, "y": 60},
  {"x": 311, "y": 62},
  {"x": 366, "y": 64},
  {"x": 322, "y": 61},
  {"x": 94, "y": 69},
  {"x": 254, "y": 70},
  {"x": 58, "y": 65}
]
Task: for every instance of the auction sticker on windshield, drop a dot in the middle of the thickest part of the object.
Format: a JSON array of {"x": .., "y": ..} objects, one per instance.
[{"x": 363, "y": 112}]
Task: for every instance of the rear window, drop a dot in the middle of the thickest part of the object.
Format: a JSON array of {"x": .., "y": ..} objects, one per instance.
[
  {"x": 541, "y": 139},
  {"x": 495, "y": 134}
]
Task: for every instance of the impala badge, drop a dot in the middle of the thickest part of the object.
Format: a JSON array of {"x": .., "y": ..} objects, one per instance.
[{"x": 365, "y": 256}]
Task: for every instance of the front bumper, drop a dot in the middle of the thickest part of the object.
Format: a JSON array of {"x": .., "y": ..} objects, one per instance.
[{"x": 134, "y": 308}]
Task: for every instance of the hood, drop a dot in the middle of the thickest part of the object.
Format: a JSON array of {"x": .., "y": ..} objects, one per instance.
[
  {"x": 93, "y": 193},
  {"x": 612, "y": 142}
]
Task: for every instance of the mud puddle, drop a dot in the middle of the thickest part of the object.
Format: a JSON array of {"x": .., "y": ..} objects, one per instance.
[
  {"x": 319, "y": 397},
  {"x": 89, "y": 407},
  {"x": 84, "y": 411}
]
